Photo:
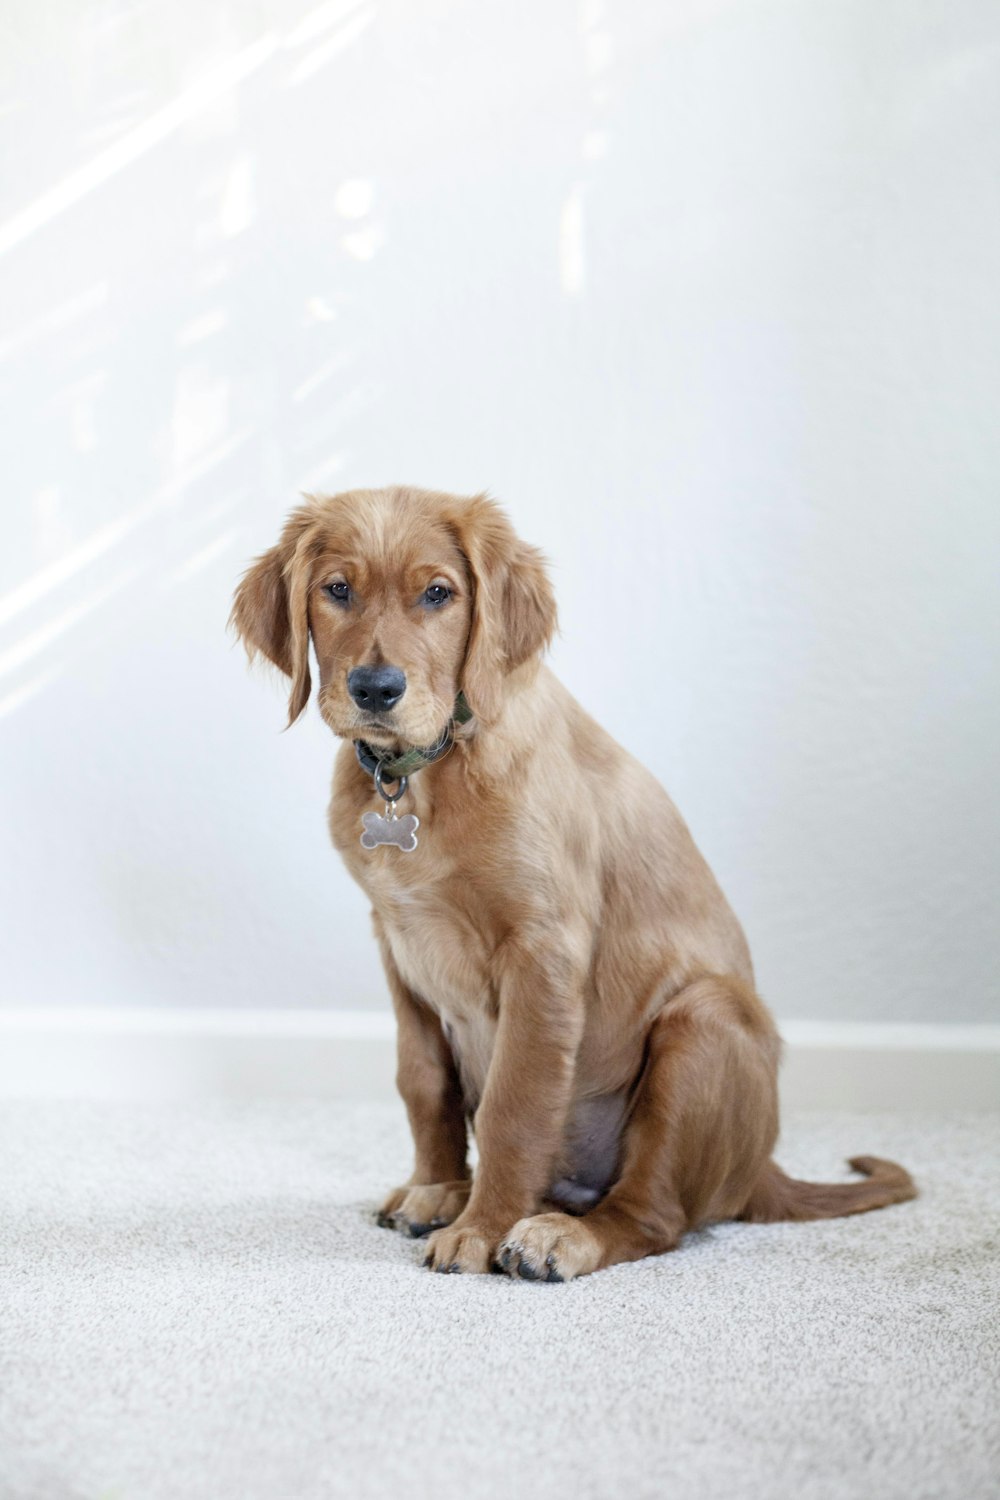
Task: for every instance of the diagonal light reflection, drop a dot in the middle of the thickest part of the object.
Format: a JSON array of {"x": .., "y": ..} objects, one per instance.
[
  {"x": 102, "y": 541},
  {"x": 208, "y": 554},
  {"x": 136, "y": 142},
  {"x": 28, "y": 690},
  {"x": 328, "y": 50},
  {"x": 320, "y": 20},
  {"x": 30, "y": 645}
]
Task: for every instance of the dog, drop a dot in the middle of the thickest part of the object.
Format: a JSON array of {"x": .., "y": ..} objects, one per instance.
[{"x": 567, "y": 977}]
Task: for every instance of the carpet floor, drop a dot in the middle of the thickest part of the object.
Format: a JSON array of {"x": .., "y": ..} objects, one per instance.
[{"x": 197, "y": 1305}]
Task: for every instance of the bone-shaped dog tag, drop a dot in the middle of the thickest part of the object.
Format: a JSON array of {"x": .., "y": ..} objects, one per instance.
[{"x": 389, "y": 830}]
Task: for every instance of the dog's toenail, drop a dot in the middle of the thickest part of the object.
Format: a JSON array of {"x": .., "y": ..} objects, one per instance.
[
  {"x": 527, "y": 1271},
  {"x": 417, "y": 1231}
]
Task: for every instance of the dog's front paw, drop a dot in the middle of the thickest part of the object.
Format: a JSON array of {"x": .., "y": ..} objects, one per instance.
[
  {"x": 549, "y": 1247},
  {"x": 417, "y": 1210},
  {"x": 464, "y": 1247}
]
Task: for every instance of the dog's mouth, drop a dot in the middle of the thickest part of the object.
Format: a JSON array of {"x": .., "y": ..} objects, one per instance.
[
  {"x": 381, "y": 737},
  {"x": 374, "y": 723},
  {"x": 381, "y": 731},
  {"x": 355, "y": 724},
  {"x": 377, "y": 733}
]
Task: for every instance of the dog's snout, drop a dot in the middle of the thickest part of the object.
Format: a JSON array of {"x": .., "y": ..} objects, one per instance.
[{"x": 376, "y": 688}]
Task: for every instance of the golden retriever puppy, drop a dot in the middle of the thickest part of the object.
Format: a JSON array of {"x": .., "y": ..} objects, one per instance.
[{"x": 567, "y": 976}]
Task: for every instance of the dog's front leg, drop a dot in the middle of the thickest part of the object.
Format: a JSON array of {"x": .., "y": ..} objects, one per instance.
[
  {"x": 427, "y": 1079},
  {"x": 522, "y": 1115}
]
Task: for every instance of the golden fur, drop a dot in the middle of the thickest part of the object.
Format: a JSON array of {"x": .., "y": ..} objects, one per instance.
[{"x": 566, "y": 973}]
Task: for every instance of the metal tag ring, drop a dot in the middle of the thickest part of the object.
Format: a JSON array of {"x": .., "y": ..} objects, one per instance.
[{"x": 387, "y": 796}]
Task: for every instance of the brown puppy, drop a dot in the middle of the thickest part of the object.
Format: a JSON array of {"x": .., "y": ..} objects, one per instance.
[{"x": 565, "y": 971}]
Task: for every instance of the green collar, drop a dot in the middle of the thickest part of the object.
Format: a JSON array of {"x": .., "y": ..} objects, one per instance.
[{"x": 414, "y": 759}]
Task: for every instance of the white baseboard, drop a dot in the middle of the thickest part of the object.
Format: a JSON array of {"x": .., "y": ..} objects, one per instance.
[
  {"x": 894, "y": 1066},
  {"x": 157, "y": 1055}
]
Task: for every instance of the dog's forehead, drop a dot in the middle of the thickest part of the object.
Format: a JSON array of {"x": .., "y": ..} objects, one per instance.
[{"x": 382, "y": 533}]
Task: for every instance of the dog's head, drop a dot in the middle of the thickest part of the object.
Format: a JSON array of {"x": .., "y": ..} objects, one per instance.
[{"x": 409, "y": 597}]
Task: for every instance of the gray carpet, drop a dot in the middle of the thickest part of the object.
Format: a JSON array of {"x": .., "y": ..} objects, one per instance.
[{"x": 196, "y": 1305}]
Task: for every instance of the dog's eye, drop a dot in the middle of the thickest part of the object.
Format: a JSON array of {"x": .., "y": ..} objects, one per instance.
[
  {"x": 339, "y": 591},
  {"x": 435, "y": 595}
]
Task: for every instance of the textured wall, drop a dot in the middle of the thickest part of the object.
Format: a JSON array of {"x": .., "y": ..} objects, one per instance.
[{"x": 704, "y": 291}]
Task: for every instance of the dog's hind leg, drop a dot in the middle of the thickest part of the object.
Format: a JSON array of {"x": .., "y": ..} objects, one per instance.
[{"x": 703, "y": 1124}]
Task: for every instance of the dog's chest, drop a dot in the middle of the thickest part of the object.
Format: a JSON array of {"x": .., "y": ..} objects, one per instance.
[
  {"x": 436, "y": 929},
  {"x": 441, "y": 959},
  {"x": 437, "y": 948}
]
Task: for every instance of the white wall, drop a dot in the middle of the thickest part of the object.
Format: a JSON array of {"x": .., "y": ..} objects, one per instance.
[{"x": 704, "y": 290}]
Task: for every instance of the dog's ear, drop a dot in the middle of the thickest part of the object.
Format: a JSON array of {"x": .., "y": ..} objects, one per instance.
[
  {"x": 270, "y": 606},
  {"x": 513, "y": 606}
]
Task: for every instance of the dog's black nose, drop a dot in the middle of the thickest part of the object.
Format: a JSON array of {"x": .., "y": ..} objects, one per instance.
[{"x": 376, "y": 688}]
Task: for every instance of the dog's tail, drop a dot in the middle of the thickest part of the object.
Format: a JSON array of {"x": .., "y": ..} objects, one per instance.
[{"x": 777, "y": 1196}]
